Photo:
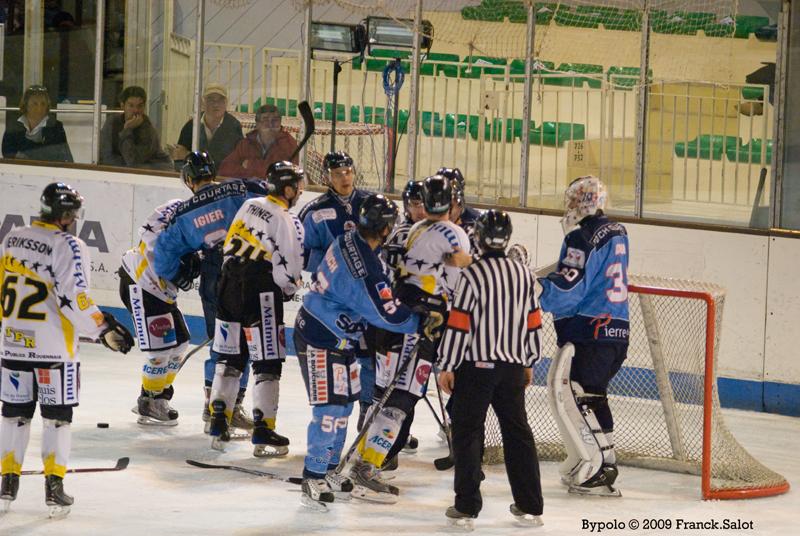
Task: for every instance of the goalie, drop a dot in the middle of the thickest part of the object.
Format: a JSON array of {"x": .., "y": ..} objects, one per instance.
[{"x": 588, "y": 297}]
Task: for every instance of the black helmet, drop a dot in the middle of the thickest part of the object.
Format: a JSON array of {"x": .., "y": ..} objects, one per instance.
[
  {"x": 198, "y": 166},
  {"x": 454, "y": 174},
  {"x": 337, "y": 159},
  {"x": 59, "y": 200},
  {"x": 282, "y": 174},
  {"x": 437, "y": 194},
  {"x": 376, "y": 213},
  {"x": 493, "y": 230},
  {"x": 412, "y": 191}
]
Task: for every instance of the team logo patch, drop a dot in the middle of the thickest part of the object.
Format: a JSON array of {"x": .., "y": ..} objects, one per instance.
[
  {"x": 317, "y": 368},
  {"x": 226, "y": 337},
  {"x": 323, "y": 214},
  {"x": 575, "y": 258},
  {"x": 355, "y": 378},
  {"x": 620, "y": 249},
  {"x": 340, "y": 376},
  {"x": 21, "y": 338},
  {"x": 161, "y": 331},
  {"x": 16, "y": 386},
  {"x": 384, "y": 291}
]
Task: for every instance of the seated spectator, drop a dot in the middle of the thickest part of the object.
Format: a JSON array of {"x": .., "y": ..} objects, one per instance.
[
  {"x": 129, "y": 139},
  {"x": 36, "y": 135},
  {"x": 220, "y": 131},
  {"x": 264, "y": 145}
]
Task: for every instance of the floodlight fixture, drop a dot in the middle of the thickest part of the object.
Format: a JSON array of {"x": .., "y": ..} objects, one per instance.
[
  {"x": 384, "y": 32},
  {"x": 335, "y": 41}
]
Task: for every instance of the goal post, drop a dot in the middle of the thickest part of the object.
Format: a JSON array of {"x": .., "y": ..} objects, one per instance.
[{"x": 664, "y": 399}]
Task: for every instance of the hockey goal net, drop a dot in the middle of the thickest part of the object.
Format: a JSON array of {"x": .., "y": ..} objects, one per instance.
[
  {"x": 665, "y": 402},
  {"x": 362, "y": 141}
]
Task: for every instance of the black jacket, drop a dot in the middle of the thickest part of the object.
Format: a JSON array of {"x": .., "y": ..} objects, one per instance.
[
  {"x": 222, "y": 144},
  {"x": 54, "y": 146}
]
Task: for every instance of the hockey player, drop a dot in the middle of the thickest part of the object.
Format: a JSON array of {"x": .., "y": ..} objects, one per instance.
[
  {"x": 432, "y": 243},
  {"x": 413, "y": 211},
  {"x": 488, "y": 349},
  {"x": 160, "y": 328},
  {"x": 350, "y": 290},
  {"x": 262, "y": 269},
  {"x": 200, "y": 224},
  {"x": 588, "y": 296},
  {"x": 469, "y": 214},
  {"x": 324, "y": 220},
  {"x": 44, "y": 286}
]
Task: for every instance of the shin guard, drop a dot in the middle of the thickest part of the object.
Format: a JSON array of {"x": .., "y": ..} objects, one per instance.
[
  {"x": 380, "y": 437},
  {"x": 14, "y": 435},
  {"x": 56, "y": 444}
]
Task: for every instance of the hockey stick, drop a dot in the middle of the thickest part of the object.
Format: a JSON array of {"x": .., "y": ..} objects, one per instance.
[
  {"x": 122, "y": 463},
  {"x": 254, "y": 472},
  {"x": 443, "y": 464},
  {"x": 308, "y": 122},
  {"x": 192, "y": 352},
  {"x": 376, "y": 407}
]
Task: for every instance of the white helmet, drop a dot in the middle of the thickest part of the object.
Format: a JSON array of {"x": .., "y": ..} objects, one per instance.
[{"x": 584, "y": 197}]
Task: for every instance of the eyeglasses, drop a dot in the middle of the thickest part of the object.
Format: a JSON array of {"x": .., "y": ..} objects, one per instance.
[{"x": 37, "y": 89}]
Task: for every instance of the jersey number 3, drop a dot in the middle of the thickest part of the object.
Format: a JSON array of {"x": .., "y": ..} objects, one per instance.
[
  {"x": 9, "y": 297},
  {"x": 619, "y": 290}
]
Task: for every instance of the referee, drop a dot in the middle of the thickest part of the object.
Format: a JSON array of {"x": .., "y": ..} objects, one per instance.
[{"x": 486, "y": 355}]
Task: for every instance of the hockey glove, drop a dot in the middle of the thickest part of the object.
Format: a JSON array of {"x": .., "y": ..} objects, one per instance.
[
  {"x": 116, "y": 337},
  {"x": 429, "y": 321},
  {"x": 188, "y": 271},
  {"x": 519, "y": 253}
]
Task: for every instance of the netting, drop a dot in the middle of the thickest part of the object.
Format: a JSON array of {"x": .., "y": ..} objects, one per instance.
[
  {"x": 580, "y": 36},
  {"x": 363, "y": 142},
  {"x": 658, "y": 398}
]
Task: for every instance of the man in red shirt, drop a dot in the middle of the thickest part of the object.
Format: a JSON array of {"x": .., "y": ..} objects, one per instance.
[{"x": 264, "y": 145}]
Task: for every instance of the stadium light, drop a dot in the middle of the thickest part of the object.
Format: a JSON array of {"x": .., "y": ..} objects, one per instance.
[{"x": 389, "y": 33}]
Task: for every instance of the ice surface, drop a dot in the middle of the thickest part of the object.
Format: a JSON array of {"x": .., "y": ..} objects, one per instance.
[{"x": 160, "y": 494}]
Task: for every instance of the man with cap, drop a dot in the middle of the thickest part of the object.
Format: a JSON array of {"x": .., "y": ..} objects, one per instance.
[
  {"x": 220, "y": 131},
  {"x": 264, "y": 145}
]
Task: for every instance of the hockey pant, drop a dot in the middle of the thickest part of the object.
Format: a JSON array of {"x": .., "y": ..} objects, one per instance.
[
  {"x": 332, "y": 383},
  {"x": 210, "y": 271},
  {"x": 577, "y": 384},
  {"x": 55, "y": 386},
  {"x": 161, "y": 333},
  {"x": 249, "y": 327}
]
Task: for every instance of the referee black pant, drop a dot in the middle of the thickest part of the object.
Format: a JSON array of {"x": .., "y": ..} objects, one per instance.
[{"x": 502, "y": 387}]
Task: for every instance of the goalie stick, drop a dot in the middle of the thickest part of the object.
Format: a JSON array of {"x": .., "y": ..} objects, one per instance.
[
  {"x": 255, "y": 472},
  {"x": 308, "y": 123},
  {"x": 122, "y": 463}
]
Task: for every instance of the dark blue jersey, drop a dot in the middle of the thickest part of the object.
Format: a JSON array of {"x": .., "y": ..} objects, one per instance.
[
  {"x": 588, "y": 293},
  {"x": 326, "y": 218}
]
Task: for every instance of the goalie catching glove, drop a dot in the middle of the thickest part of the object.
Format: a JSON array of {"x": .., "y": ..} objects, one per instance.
[
  {"x": 429, "y": 322},
  {"x": 188, "y": 271},
  {"x": 116, "y": 337}
]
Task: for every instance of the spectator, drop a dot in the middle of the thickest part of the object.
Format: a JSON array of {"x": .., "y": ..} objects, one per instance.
[
  {"x": 220, "y": 133},
  {"x": 264, "y": 145},
  {"x": 36, "y": 135},
  {"x": 129, "y": 139}
]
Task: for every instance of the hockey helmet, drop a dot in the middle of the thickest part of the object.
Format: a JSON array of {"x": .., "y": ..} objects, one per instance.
[
  {"x": 493, "y": 230},
  {"x": 583, "y": 198},
  {"x": 412, "y": 192},
  {"x": 454, "y": 174},
  {"x": 337, "y": 159},
  {"x": 376, "y": 213},
  {"x": 198, "y": 166},
  {"x": 283, "y": 174},
  {"x": 60, "y": 200},
  {"x": 437, "y": 194}
]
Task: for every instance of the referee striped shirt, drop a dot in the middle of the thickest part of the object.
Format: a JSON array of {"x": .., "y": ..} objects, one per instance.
[{"x": 494, "y": 316}]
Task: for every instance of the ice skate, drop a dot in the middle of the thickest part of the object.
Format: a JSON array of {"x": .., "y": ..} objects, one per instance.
[
  {"x": 390, "y": 465},
  {"x": 268, "y": 443},
  {"x": 411, "y": 445},
  {"x": 155, "y": 412},
  {"x": 220, "y": 434},
  {"x": 9, "y": 486},
  {"x": 523, "y": 519},
  {"x": 55, "y": 497},
  {"x": 600, "y": 484},
  {"x": 240, "y": 419},
  {"x": 341, "y": 485},
  {"x": 369, "y": 486},
  {"x": 315, "y": 494},
  {"x": 459, "y": 520}
]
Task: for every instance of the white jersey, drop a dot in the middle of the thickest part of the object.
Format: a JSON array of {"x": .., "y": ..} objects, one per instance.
[
  {"x": 427, "y": 244},
  {"x": 264, "y": 229},
  {"x": 44, "y": 277},
  {"x": 138, "y": 261}
]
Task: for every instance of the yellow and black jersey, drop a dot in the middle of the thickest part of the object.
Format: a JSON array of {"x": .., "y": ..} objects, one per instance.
[
  {"x": 44, "y": 286},
  {"x": 265, "y": 230}
]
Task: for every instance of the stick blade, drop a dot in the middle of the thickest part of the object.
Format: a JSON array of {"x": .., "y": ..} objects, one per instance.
[
  {"x": 443, "y": 464},
  {"x": 122, "y": 463}
]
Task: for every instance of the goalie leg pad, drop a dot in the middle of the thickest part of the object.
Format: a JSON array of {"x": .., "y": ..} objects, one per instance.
[
  {"x": 382, "y": 434},
  {"x": 584, "y": 439},
  {"x": 14, "y": 435},
  {"x": 56, "y": 444}
]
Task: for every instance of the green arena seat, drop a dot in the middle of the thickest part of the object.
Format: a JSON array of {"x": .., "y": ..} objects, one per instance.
[
  {"x": 625, "y": 77},
  {"x": 281, "y": 104},
  {"x": 718, "y": 30},
  {"x": 554, "y": 134},
  {"x": 707, "y": 146},
  {"x": 566, "y": 17},
  {"x": 482, "y": 13},
  {"x": 477, "y": 65},
  {"x": 517, "y": 68},
  {"x": 750, "y": 152},
  {"x": 753, "y": 93},
  {"x": 577, "y": 81},
  {"x": 431, "y": 65},
  {"x": 325, "y": 112},
  {"x": 747, "y": 24}
]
